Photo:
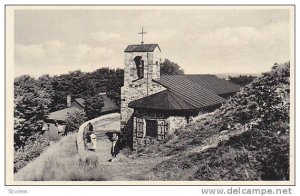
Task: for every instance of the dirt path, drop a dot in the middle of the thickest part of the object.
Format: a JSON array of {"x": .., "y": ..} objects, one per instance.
[{"x": 121, "y": 168}]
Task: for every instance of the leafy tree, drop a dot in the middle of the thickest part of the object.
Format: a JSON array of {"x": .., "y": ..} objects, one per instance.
[
  {"x": 31, "y": 105},
  {"x": 114, "y": 85},
  {"x": 170, "y": 68},
  {"x": 93, "y": 106},
  {"x": 77, "y": 84},
  {"x": 74, "y": 120},
  {"x": 241, "y": 80},
  {"x": 45, "y": 82}
]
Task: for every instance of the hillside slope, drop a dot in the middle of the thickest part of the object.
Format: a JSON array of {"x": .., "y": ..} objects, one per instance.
[
  {"x": 256, "y": 146},
  {"x": 61, "y": 162}
]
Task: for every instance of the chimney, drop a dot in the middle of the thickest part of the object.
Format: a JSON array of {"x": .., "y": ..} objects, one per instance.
[{"x": 69, "y": 101}]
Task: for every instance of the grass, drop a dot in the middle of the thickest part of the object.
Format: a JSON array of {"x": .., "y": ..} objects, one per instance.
[
  {"x": 52, "y": 135},
  {"x": 61, "y": 162},
  {"x": 255, "y": 148}
]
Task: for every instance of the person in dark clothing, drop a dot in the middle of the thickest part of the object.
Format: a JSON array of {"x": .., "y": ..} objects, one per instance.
[
  {"x": 114, "y": 148},
  {"x": 91, "y": 128},
  {"x": 89, "y": 132}
]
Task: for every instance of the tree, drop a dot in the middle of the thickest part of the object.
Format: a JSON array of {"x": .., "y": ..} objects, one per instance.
[
  {"x": 241, "y": 80},
  {"x": 31, "y": 105},
  {"x": 114, "y": 85},
  {"x": 93, "y": 106},
  {"x": 170, "y": 68},
  {"x": 74, "y": 120},
  {"x": 76, "y": 83},
  {"x": 46, "y": 82}
]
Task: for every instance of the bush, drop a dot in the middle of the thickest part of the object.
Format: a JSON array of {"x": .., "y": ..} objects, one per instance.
[
  {"x": 33, "y": 148},
  {"x": 74, "y": 120},
  {"x": 259, "y": 152}
]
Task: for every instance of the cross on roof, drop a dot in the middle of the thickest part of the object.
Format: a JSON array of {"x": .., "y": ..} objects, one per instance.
[{"x": 143, "y": 32}]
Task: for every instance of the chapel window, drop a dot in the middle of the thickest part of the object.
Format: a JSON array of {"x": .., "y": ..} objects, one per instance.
[{"x": 139, "y": 62}]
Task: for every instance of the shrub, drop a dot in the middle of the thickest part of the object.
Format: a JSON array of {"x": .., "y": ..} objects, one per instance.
[
  {"x": 33, "y": 148},
  {"x": 74, "y": 120},
  {"x": 260, "y": 152}
]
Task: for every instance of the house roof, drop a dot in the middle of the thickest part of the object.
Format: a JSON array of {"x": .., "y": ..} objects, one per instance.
[
  {"x": 210, "y": 82},
  {"x": 109, "y": 104},
  {"x": 61, "y": 115},
  {"x": 187, "y": 92},
  {"x": 141, "y": 48},
  {"x": 80, "y": 101},
  {"x": 164, "y": 100}
]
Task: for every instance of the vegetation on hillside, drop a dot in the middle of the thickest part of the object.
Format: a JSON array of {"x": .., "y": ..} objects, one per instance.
[
  {"x": 241, "y": 80},
  {"x": 33, "y": 147},
  {"x": 31, "y": 104},
  {"x": 35, "y": 98},
  {"x": 255, "y": 146},
  {"x": 61, "y": 162}
]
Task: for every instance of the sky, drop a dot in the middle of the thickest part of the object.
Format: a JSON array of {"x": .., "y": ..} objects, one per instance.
[{"x": 201, "y": 41}]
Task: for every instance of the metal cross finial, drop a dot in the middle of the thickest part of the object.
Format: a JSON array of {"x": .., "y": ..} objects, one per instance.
[{"x": 143, "y": 32}]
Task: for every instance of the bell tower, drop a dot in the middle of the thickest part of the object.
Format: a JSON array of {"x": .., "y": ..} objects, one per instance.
[
  {"x": 141, "y": 65},
  {"x": 142, "y": 61}
]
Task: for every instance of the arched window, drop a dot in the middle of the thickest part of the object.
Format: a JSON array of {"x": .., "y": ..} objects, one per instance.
[{"x": 139, "y": 62}]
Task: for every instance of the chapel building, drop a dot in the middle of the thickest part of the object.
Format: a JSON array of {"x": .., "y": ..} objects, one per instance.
[{"x": 154, "y": 106}]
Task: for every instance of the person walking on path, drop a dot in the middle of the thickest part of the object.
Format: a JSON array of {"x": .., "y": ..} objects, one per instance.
[
  {"x": 91, "y": 128},
  {"x": 89, "y": 132},
  {"x": 93, "y": 141},
  {"x": 114, "y": 148}
]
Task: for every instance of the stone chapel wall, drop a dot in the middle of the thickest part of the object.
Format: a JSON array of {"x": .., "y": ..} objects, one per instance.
[{"x": 135, "y": 88}]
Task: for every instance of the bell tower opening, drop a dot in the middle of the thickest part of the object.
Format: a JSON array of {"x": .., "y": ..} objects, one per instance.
[{"x": 139, "y": 63}]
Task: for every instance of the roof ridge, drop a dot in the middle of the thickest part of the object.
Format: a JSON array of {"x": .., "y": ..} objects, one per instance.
[
  {"x": 142, "y": 44},
  {"x": 141, "y": 48}
]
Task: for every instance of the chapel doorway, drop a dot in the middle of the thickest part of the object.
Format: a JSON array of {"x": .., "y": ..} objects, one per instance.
[{"x": 151, "y": 128}]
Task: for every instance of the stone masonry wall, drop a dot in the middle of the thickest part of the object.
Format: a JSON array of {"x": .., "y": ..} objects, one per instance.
[
  {"x": 152, "y": 63},
  {"x": 134, "y": 91},
  {"x": 135, "y": 88},
  {"x": 141, "y": 116}
]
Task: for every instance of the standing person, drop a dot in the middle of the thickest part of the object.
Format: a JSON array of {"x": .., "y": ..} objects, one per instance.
[
  {"x": 114, "y": 148},
  {"x": 93, "y": 141},
  {"x": 89, "y": 132},
  {"x": 56, "y": 127},
  {"x": 91, "y": 128}
]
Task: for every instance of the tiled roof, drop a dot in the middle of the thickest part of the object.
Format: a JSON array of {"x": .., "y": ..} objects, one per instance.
[
  {"x": 141, "y": 48},
  {"x": 61, "y": 115},
  {"x": 80, "y": 101},
  {"x": 193, "y": 93},
  {"x": 213, "y": 83},
  {"x": 109, "y": 104},
  {"x": 164, "y": 100},
  {"x": 187, "y": 92},
  {"x": 210, "y": 82}
]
